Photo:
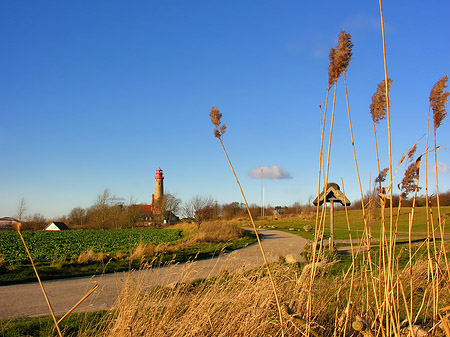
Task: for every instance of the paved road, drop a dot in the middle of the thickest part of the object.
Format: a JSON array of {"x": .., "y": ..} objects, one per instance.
[{"x": 28, "y": 300}]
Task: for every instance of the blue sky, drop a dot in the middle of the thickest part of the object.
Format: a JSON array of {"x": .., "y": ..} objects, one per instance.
[{"x": 100, "y": 94}]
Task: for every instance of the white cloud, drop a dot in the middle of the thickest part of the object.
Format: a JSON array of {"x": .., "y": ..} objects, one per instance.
[
  {"x": 442, "y": 168},
  {"x": 274, "y": 172}
]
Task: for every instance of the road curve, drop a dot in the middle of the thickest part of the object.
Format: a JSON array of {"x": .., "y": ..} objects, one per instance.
[{"x": 26, "y": 300}]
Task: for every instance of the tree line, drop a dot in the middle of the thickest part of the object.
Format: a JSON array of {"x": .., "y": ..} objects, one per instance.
[{"x": 109, "y": 212}]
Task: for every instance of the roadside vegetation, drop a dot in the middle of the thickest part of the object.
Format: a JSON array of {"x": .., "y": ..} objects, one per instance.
[{"x": 64, "y": 254}]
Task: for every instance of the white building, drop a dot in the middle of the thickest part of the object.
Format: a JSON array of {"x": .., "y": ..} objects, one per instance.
[{"x": 56, "y": 226}]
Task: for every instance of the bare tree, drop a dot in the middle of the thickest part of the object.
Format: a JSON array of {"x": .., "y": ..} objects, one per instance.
[
  {"x": 35, "y": 222},
  {"x": 170, "y": 206},
  {"x": 101, "y": 208},
  {"x": 199, "y": 208},
  {"x": 21, "y": 209},
  {"x": 77, "y": 217},
  {"x": 133, "y": 213}
]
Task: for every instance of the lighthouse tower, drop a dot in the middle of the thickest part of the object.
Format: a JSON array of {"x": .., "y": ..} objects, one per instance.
[{"x": 159, "y": 186}]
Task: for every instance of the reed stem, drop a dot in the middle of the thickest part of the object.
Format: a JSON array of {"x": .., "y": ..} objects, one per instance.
[{"x": 280, "y": 314}]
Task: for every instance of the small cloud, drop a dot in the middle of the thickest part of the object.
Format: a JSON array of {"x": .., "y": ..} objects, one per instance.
[
  {"x": 294, "y": 46},
  {"x": 442, "y": 168},
  {"x": 274, "y": 172},
  {"x": 364, "y": 22}
]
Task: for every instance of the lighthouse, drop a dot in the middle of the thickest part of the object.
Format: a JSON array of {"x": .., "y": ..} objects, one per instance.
[{"x": 159, "y": 186}]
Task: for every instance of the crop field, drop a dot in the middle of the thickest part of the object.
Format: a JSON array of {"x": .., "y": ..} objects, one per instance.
[{"x": 46, "y": 247}]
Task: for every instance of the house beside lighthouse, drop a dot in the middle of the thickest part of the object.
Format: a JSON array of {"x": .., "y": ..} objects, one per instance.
[{"x": 154, "y": 212}]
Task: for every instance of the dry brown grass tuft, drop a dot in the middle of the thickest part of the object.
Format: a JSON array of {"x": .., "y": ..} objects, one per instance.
[
  {"x": 218, "y": 232},
  {"x": 90, "y": 256},
  {"x": 143, "y": 250}
]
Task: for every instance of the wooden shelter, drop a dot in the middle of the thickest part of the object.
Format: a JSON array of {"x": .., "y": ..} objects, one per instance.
[{"x": 332, "y": 194}]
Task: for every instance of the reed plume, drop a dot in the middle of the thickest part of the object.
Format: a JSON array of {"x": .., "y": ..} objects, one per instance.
[
  {"x": 379, "y": 102},
  {"x": 339, "y": 57},
  {"x": 331, "y": 68},
  {"x": 219, "y": 130},
  {"x": 382, "y": 176},
  {"x": 344, "y": 53},
  {"x": 410, "y": 179},
  {"x": 378, "y": 109},
  {"x": 438, "y": 99},
  {"x": 216, "y": 117}
]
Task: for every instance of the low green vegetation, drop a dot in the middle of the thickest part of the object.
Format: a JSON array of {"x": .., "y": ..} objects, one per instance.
[
  {"x": 81, "y": 253},
  {"x": 44, "y": 326},
  {"x": 48, "y": 247}
]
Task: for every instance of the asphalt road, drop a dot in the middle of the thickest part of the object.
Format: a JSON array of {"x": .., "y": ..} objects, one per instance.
[{"x": 26, "y": 300}]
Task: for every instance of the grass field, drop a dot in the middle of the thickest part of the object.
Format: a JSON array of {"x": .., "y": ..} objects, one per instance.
[{"x": 295, "y": 224}]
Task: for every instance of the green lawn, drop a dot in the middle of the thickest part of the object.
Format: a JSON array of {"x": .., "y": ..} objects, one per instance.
[
  {"x": 295, "y": 224},
  {"x": 44, "y": 326}
]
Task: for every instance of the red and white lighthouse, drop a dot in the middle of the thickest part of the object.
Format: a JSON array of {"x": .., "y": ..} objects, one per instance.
[{"x": 159, "y": 186}]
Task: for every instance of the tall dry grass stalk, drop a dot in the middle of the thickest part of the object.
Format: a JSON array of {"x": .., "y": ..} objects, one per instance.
[
  {"x": 17, "y": 226},
  {"x": 241, "y": 304},
  {"x": 438, "y": 100},
  {"x": 238, "y": 304},
  {"x": 339, "y": 60},
  {"x": 219, "y": 130},
  {"x": 378, "y": 109},
  {"x": 389, "y": 284}
]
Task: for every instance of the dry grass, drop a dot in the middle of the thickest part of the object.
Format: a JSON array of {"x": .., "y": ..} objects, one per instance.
[
  {"x": 142, "y": 251},
  {"x": 209, "y": 232},
  {"x": 90, "y": 256},
  {"x": 242, "y": 304},
  {"x": 238, "y": 305},
  {"x": 218, "y": 232}
]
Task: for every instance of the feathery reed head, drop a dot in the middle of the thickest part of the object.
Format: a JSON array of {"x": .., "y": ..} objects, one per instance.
[
  {"x": 410, "y": 179},
  {"x": 378, "y": 107},
  {"x": 331, "y": 71},
  {"x": 343, "y": 52},
  {"x": 216, "y": 117},
  {"x": 438, "y": 99},
  {"x": 411, "y": 152},
  {"x": 339, "y": 57},
  {"x": 382, "y": 176}
]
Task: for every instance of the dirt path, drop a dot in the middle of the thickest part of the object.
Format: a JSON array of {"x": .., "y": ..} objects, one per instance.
[{"x": 28, "y": 300}]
